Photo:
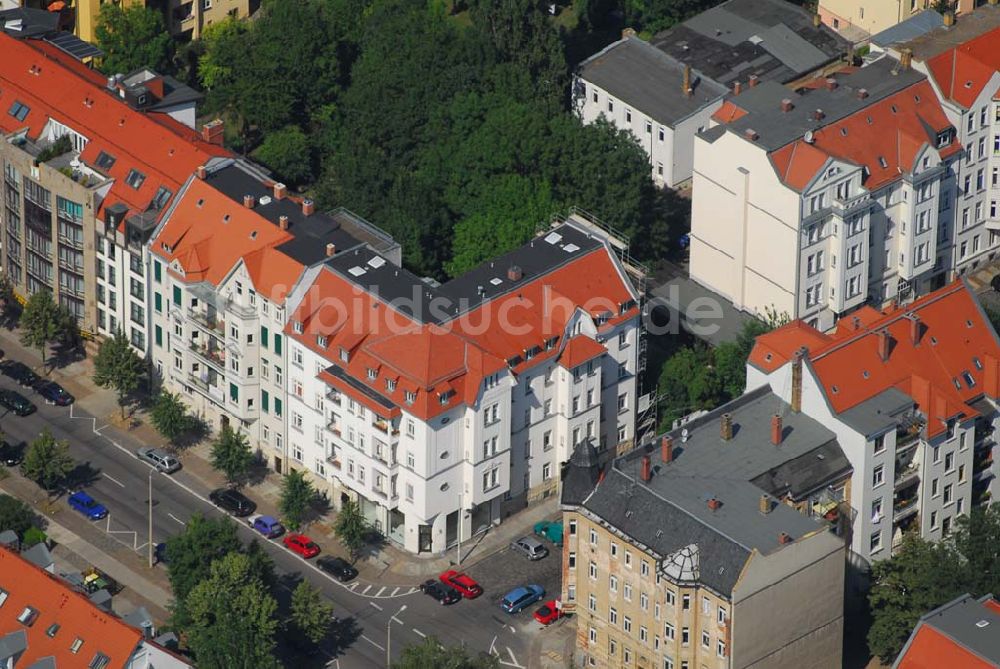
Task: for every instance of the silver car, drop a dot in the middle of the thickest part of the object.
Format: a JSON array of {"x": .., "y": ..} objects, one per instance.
[
  {"x": 531, "y": 547},
  {"x": 159, "y": 458}
]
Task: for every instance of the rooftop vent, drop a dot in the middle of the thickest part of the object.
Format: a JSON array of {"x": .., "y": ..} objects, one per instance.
[
  {"x": 495, "y": 281},
  {"x": 280, "y": 191},
  {"x": 553, "y": 238},
  {"x": 726, "y": 426},
  {"x": 376, "y": 262},
  {"x": 751, "y": 134},
  {"x": 264, "y": 199},
  {"x": 982, "y": 623},
  {"x": 515, "y": 273},
  {"x": 862, "y": 93},
  {"x": 786, "y": 105},
  {"x": 830, "y": 83},
  {"x": 714, "y": 504},
  {"x": 765, "y": 504},
  {"x": 331, "y": 249},
  {"x": 818, "y": 115},
  {"x": 356, "y": 271},
  {"x": 249, "y": 201},
  {"x": 283, "y": 222},
  {"x": 784, "y": 538},
  {"x": 571, "y": 248}
]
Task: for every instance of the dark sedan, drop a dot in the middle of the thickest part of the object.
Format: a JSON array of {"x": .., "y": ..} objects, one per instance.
[
  {"x": 232, "y": 501},
  {"x": 20, "y": 372},
  {"x": 16, "y": 402},
  {"x": 337, "y": 567},
  {"x": 53, "y": 393},
  {"x": 12, "y": 454},
  {"x": 440, "y": 592}
]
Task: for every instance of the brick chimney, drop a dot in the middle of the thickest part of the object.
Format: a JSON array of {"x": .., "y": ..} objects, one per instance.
[
  {"x": 249, "y": 201},
  {"x": 752, "y": 80},
  {"x": 831, "y": 83},
  {"x": 726, "y": 427},
  {"x": 764, "y": 506},
  {"x": 201, "y": 172},
  {"x": 949, "y": 19},
  {"x": 647, "y": 469},
  {"x": 686, "y": 82},
  {"x": 714, "y": 504},
  {"x": 751, "y": 134},
  {"x": 884, "y": 344},
  {"x": 818, "y": 115},
  {"x": 283, "y": 222},
  {"x": 862, "y": 93},
  {"x": 817, "y": 20},
  {"x": 916, "y": 328},
  {"x": 786, "y": 105},
  {"x": 280, "y": 191},
  {"x": 776, "y": 429},
  {"x": 213, "y": 132},
  {"x": 737, "y": 88},
  {"x": 514, "y": 273},
  {"x": 797, "y": 379},
  {"x": 784, "y": 538},
  {"x": 308, "y": 207},
  {"x": 331, "y": 248},
  {"x": 666, "y": 449},
  {"x": 905, "y": 58}
]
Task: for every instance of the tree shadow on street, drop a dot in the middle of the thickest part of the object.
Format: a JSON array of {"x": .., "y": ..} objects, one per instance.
[
  {"x": 81, "y": 476},
  {"x": 196, "y": 432}
]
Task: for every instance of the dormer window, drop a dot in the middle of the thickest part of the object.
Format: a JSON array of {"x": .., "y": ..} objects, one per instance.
[
  {"x": 372, "y": 374},
  {"x": 944, "y": 138},
  {"x": 100, "y": 661},
  {"x": 297, "y": 327},
  {"x": 345, "y": 355},
  {"x": 410, "y": 397},
  {"x": 390, "y": 385},
  {"x": 321, "y": 341},
  {"x": 135, "y": 178},
  {"x": 28, "y": 616},
  {"x": 551, "y": 343},
  {"x": 444, "y": 397}
]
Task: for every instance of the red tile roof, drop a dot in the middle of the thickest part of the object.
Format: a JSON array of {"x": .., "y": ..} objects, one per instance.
[
  {"x": 55, "y": 86},
  {"x": 57, "y": 604},
  {"x": 961, "y": 73},
  {"x": 931, "y": 649},
  {"x": 955, "y": 334},
  {"x": 962, "y": 633},
  {"x": 889, "y": 132},
  {"x": 728, "y": 112}
]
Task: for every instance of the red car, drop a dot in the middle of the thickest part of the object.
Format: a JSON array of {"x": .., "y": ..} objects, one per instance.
[
  {"x": 549, "y": 612},
  {"x": 301, "y": 544},
  {"x": 461, "y": 582}
]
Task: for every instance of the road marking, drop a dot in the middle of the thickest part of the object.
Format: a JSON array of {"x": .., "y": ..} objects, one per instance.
[
  {"x": 380, "y": 591},
  {"x": 513, "y": 661},
  {"x": 353, "y": 586},
  {"x": 394, "y": 591},
  {"x": 419, "y": 633},
  {"x": 335, "y": 662},
  {"x": 493, "y": 645},
  {"x": 177, "y": 519},
  {"x": 367, "y": 588},
  {"x": 379, "y": 646},
  {"x": 113, "y": 479},
  {"x": 512, "y": 630},
  {"x": 375, "y": 605}
]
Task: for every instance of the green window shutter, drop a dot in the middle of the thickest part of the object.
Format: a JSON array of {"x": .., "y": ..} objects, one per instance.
[
  {"x": 263, "y": 336},
  {"x": 265, "y": 401},
  {"x": 234, "y": 392},
  {"x": 158, "y": 302},
  {"x": 159, "y": 336},
  {"x": 277, "y": 407},
  {"x": 277, "y": 344},
  {"x": 177, "y": 295},
  {"x": 157, "y": 271}
]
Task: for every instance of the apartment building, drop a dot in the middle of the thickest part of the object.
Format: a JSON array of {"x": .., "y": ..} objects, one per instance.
[
  {"x": 224, "y": 259},
  {"x": 858, "y": 20},
  {"x": 691, "y": 552},
  {"x": 816, "y": 202},
  {"x": 961, "y": 633},
  {"x": 911, "y": 394},
  {"x": 186, "y": 19},
  {"x": 663, "y": 91},
  {"x": 86, "y": 161},
  {"x": 442, "y": 408}
]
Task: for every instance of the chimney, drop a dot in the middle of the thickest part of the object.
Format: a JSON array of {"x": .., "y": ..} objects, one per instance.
[
  {"x": 283, "y": 222},
  {"x": 666, "y": 450},
  {"x": 280, "y": 191},
  {"x": 786, "y": 105},
  {"x": 776, "y": 429},
  {"x": 714, "y": 504},
  {"x": 905, "y": 56},
  {"x": 797, "y": 380},
  {"x": 726, "y": 427},
  {"x": 213, "y": 131},
  {"x": 201, "y": 172},
  {"x": 647, "y": 469},
  {"x": 628, "y": 32},
  {"x": 817, "y": 20},
  {"x": 249, "y": 201},
  {"x": 831, "y": 83},
  {"x": 514, "y": 273},
  {"x": 949, "y": 19},
  {"x": 686, "y": 82},
  {"x": 784, "y": 538},
  {"x": 765, "y": 504},
  {"x": 751, "y": 134},
  {"x": 752, "y": 80},
  {"x": 862, "y": 93},
  {"x": 818, "y": 115},
  {"x": 916, "y": 329},
  {"x": 330, "y": 250},
  {"x": 308, "y": 207},
  {"x": 884, "y": 342},
  {"x": 737, "y": 88}
]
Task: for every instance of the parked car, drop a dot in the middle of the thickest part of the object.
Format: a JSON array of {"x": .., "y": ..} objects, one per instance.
[
  {"x": 530, "y": 547},
  {"x": 266, "y": 525},
  {"x": 20, "y": 372},
  {"x": 337, "y": 567},
  {"x": 11, "y": 455},
  {"x": 87, "y": 505},
  {"x": 53, "y": 393},
  {"x": 521, "y": 597},
  {"x": 159, "y": 458},
  {"x": 461, "y": 582},
  {"x": 16, "y": 402},
  {"x": 232, "y": 501},
  {"x": 551, "y": 530},
  {"x": 549, "y": 612},
  {"x": 440, "y": 592},
  {"x": 301, "y": 544},
  {"x": 160, "y": 553}
]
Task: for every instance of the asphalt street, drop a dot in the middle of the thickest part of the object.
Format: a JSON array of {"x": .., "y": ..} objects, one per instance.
[{"x": 116, "y": 478}]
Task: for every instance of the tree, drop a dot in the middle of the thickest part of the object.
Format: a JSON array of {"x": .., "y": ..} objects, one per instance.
[
  {"x": 131, "y": 38},
  {"x": 286, "y": 152},
  {"x": 231, "y": 455},
  {"x": 40, "y": 323},
  {"x": 430, "y": 653},
  {"x": 170, "y": 417},
  {"x": 297, "y": 495},
  {"x": 190, "y": 554},
  {"x": 33, "y": 536},
  {"x": 47, "y": 461},
  {"x": 351, "y": 526},
  {"x": 117, "y": 366},
  {"x": 311, "y": 615},
  {"x": 232, "y": 617},
  {"x": 68, "y": 328},
  {"x": 689, "y": 384},
  {"x": 15, "y": 515},
  {"x": 977, "y": 539}
]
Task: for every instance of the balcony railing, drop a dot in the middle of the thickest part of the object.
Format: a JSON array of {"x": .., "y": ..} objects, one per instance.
[
  {"x": 905, "y": 439},
  {"x": 213, "y": 392},
  {"x": 243, "y": 311},
  {"x": 906, "y": 475},
  {"x": 333, "y": 427},
  {"x": 214, "y": 356},
  {"x": 334, "y": 461},
  {"x": 903, "y": 508},
  {"x": 212, "y": 324}
]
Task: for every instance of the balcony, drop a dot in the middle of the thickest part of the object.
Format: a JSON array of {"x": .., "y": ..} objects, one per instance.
[
  {"x": 906, "y": 439},
  {"x": 904, "y": 508},
  {"x": 333, "y": 427},
  {"x": 203, "y": 386},
  {"x": 214, "y": 356},
  {"x": 240, "y": 310},
  {"x": 334, "y": 461},
  {"x": 209, "y": 322},
  {"x": 906, "y": 474}
]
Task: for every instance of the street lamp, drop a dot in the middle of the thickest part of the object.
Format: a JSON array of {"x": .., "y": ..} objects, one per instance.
[
  {"x": 388, "y": 634},
  {"x": 150, "y": 541}
]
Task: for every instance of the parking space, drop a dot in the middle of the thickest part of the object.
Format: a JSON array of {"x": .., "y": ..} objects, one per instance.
[{"x": 505, "y": 570}]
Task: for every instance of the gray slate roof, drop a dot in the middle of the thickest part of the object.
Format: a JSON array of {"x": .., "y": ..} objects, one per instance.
[
  {"x": 13, "y": 643},
  {"x": 911, "y": 28},
  {"x": 649, "y": 80},
  {"x": 958, "y": 620},
  {"x": 967, "y": 27},
  {"x": 39, "y": 556},
  {"x": 580, "y": 474},
  {"x": 875, "y": 415}
]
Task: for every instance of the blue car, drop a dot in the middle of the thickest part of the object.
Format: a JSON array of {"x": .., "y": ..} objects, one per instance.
[
  {"x": 87, "y": 505},
  {"x": 53, "y": 393},
  {"x": 520, "y": 597},
  {"x": 266, "y": 525}
]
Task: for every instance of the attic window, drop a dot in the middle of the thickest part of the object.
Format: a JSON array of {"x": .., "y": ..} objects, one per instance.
[
  {"x": 968, "y": 84},
  {"x": 969, "y": 381},
  {"x": 253, "y": 235},
  {"x": 53, "y": 628},
  {"x": 410, "y": 397},
  {"x": 958, "y": 384},
  {"x": 869, "y": 119},
  {"x": 18, "y": 110},
  {"x": 893, "y": 108},
  {"x": 968, "y": 323},
  {"x": 390, "y": 385},
  {"x": 977, "y": 362},
  {"x": 76, "y": 645},
  {"x": 161, "y": 198},
  {"x": 865, "y": 374},
  {"x": 345, "y": 355},
  {"x": 551, "y": 343},
  {"x": 933, "y": 341},
  {"x": 200, "y": 202},
  {"x": 297, "y": 327},
  {"x": 372, "y": 373},
  {"x": 843, "y": 131},
  {"x": 104, "y": 160},
  {"x": 27, "y": 616},
  {"x": 321, "y": 341},
  {"x": 135, "y": 178},
  {"x": 916, "y": 98},
  {"x": 100, "y": 661},
  {"x": 3, "y": 596},
  {"x": 882, "y": 162},
  {"x": 444, "y": 397},
  {"x": 225, "y": 219},
  {"x": 767, "y": 357},
  {"x": 835, "y": 389}
]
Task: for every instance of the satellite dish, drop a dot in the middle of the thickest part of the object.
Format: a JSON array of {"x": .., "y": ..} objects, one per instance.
[{"x": 808, "y": 137}]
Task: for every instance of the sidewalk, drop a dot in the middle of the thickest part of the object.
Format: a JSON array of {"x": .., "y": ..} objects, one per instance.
[{"x": 388, "y": 564}]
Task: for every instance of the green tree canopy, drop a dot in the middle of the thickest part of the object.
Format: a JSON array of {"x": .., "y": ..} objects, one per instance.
[
  {"x": 41, "y": 323},
  {"x": 190, "y": 553},
  {"x": 117, "y": 366},
  {"x": 287, "y": 153},
  {"x": 297, "y": 495},
  {"x": 351, "y": 526},
  {"x": 131, "y": 38},
  {"x": 170, "y": 417},
  {"x": 231, "y": 455},
  {"x": 311, "y": 615},
  {"x": 430, "y": 653},
  {"x": 47, "y": 461},
  {"x": 15, "y": 515},
  {"x": 232, "y": 617}
]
